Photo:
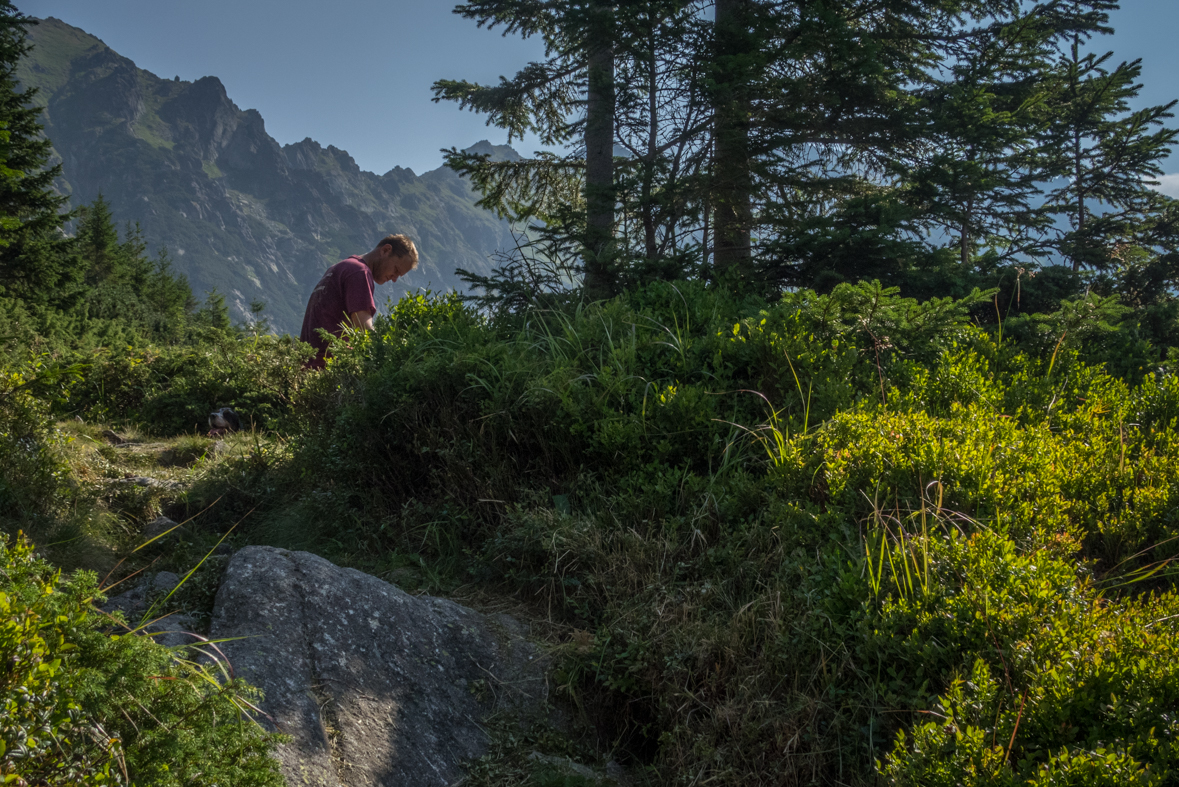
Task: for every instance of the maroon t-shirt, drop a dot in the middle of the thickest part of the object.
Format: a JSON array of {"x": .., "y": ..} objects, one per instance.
[{"x": 345, "y": 288}]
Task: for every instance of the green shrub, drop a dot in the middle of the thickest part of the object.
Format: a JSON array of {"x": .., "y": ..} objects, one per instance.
[
  {"x": 85, "y": 705},
  {"x": 1064, "y": 687},
  {"x": 45, "y": 736},
  {"x": 32, "y": 477},
  {"x": 169, "y": 390},
  {"x": 761, "y": 520}
]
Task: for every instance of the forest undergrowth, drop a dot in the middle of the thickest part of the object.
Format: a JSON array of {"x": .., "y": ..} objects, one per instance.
[{"x": 834, "y": 538}]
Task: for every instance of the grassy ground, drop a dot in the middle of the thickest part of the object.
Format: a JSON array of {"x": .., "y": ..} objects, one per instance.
[
  {"x": 124, "y": 481},
  {"x": 193, "y": 479},
  {"x": 766, "y": 548}
]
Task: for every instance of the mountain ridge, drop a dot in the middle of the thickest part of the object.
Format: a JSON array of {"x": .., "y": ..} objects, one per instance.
[{"x": 237, "y": 211}]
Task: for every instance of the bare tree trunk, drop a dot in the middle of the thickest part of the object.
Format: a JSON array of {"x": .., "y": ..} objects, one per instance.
[
  {"x": 966, "y": 236},
  {"x": 732, "y": 179},
  {"x": 1078, "y": 184},
  {"x": 600, "y": 278},
  {"x": 1078, "y": 169},
  {"x": 652, "y": 248}
]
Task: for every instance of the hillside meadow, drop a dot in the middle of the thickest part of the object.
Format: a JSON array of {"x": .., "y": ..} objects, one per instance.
[{"x": 847, "y": 538}]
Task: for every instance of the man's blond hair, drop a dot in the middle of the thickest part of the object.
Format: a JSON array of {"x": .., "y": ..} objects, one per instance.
[{"x": 402, "y": 247}]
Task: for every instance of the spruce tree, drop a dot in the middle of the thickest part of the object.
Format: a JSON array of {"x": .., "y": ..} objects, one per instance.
[
  {"x": 809, "y": 142},
  {"x": 123, "y": 284},
  {"x": 574, "y": 99},
  {"x": 663, "y": 116},
  {"x": 600, "y": 270},
  {"x": 840, "y": 102},
  {"x": 577, "y": 78},
  {"x": 1104, "y": 155},
  {"x": 976, "y": 177},
  {"x": 97, "y": 242},
  {"x": 35, "y": 264}
]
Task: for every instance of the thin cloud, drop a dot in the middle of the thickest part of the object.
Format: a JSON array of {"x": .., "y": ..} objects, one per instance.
[{"x": 1168, "y": 184}]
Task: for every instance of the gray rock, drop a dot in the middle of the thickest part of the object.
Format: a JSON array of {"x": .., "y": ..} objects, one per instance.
[
  {"x": 564, "y": 765},
  {"x": 159, "y": 526},
  {"x": 165, "y": 582},
  {"x": 173, "y": 631},
  {"x": 375, "y": 687},
  {"x": 132, "y": 603}
]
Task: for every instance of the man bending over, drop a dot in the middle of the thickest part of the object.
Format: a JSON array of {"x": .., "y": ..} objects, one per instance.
[{"x": 344, "y": 296}]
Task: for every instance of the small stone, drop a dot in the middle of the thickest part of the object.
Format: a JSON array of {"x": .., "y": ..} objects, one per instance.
[
  {"x": 165, "y": 582},
  {"x": 112, "y": 438},
  {"x": 159, "y": 526},
  {"x": 131, "y": 603},
  {"x": 566, "y": 766},
  {"x": 173, "y": 631}
]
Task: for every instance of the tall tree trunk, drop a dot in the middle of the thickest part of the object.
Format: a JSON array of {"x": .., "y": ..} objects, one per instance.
[
  {"x": 1078, "y": 184},
  {"x": 967, "y": 238},
  {"x": 732, "y": 178},
  {"x": 1078, "y": 163},
  {"x": 652, "y": 150},
  {"x": 600, "y": 277}
]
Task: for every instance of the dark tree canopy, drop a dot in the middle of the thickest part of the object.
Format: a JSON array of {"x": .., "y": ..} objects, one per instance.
[
  {"x": 937, "y": 146},
  {"x": 34, "y": 261}
]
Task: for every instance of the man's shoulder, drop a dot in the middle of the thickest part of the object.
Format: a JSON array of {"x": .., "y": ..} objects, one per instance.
[{"x": 349, "y": 264}]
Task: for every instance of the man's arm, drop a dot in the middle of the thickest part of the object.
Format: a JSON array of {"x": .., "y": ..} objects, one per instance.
[{"x": 361, "y": 319}]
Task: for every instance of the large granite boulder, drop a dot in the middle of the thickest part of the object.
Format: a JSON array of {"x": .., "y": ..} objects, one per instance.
[{"x": 374, "y": 686}]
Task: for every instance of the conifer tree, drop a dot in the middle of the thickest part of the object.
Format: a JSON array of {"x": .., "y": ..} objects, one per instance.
[
  {"x": 123, "y": 284},
  {"x": 600, "y": 273},
  {"x": 576, "y": 79},
  {"x": 574, "y": 99},
  {"x": 663, "y": 117},
  {"x": 97, "y": 242},
  {"x": 808, "y": 142},
  {"x": 34, "y": 261},
  {"x": 1104, "y": 154},
  {"x": 839, "y": 104},
  {"x": 976, "y": 178}
]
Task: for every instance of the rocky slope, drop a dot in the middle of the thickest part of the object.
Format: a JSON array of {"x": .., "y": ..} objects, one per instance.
[{"x": 236, "y": 211}]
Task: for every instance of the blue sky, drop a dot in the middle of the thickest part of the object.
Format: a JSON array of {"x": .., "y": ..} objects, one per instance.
[
  {"x": 357, "y": 73},
  {"x": 353, "y": 73}
]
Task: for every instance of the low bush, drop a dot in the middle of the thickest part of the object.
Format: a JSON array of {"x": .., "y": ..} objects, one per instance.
[
  {"x": 85, "y": 704},
  {"x": 33, "y": 478},
  {"x": 1052, "y": 683},
  {"x": 782, "y": 537},
  {"x": 171, "y": 389}
]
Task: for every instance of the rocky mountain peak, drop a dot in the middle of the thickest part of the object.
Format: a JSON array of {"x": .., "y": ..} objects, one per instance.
[
  {"x": 497, "y": 152},
  {"x": 238, "y": 212}
]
